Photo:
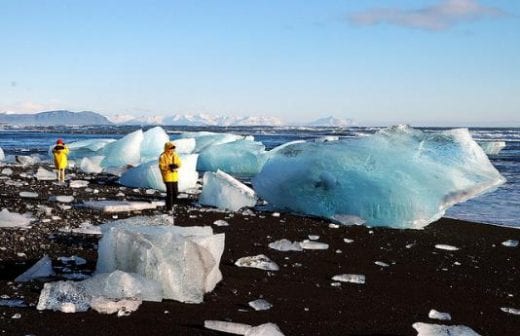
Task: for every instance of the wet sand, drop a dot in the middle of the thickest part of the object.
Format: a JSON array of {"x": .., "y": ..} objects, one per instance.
[{"x": 471, "y": 283}]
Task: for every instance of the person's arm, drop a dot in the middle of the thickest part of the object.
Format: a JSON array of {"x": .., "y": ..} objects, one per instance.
[{"x": 163, "y": 163}]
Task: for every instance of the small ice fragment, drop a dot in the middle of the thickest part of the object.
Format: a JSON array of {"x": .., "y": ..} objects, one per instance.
[
  {"x": 227, "y": 327},
  {"x": 335, "y": 284},
  {"x": 348, "y": 241},
  {"x": 446, "y": 247},
  {"x": 351, "y": 278},
  {"x": 437, "y": 315},
  {"x": 28, "y": 194},
  {"x": 78, "y": 184},
  {"x": 510, "y": 243},
  {"x": 12, "y": 303},
  {"x": 42, "y": 269},
  {"x": 266, "y": 329},
  {"x": 275, "y": 214},
  {"x": 382, "y": 264},
  {"x": 21, "y": 255},
  {"x": 62, "y": 199},
  {"x": 13, "y": 219},
  {"x": 259, "y": 261},
  {"x": 44, "y": 175},
  {"x": 314, "y": 237},
  {"x": 220, "y": 222},
  {"x": 409, "y": 246},
  {"x": 123, "y": 307},
  {"x": 427, "y": 329},
  {"x": 313, "y": 245},
  {"x": 260, "y": 304},
  {"x": 119, "y": 206},
  {"x": 150, "y": 191},
  {"x": 285, "y": 245},
  {"x": 73, "y": 259},
  {"x": 7, "y": 171},
  {"x": 16, "y": 316},
  {"x": 510, "y": 310},
  {"x": 333, "y": 226}
]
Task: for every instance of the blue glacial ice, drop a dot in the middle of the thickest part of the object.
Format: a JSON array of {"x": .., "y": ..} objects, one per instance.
[
  {"x": 205, "y": 139},
  {"x": 399, "y": 177},
  {"x": 243, "y": 158},
  {"x": 153, "y": 143},
  {"x": 125, "y": 151}
]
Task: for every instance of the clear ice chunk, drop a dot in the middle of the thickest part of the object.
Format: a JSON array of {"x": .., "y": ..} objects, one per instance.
[
  {"x": 14, "y": 220},
  {"x": 492, "y": 147},
  {"x": 42, "y": 269},
  {"x": 184, "y": 260},
  {"x": 399, "y": 177},
  {"x": 285, "y": 245},
  {"x": 351, "y": 278},
  {"x": 437, "y": 315},
  {"x": 223, "y": 191},
  {"x": 260, "y": 304},
  {"x": 91, "y": 165},
  {"x": 119, "y": 206}
]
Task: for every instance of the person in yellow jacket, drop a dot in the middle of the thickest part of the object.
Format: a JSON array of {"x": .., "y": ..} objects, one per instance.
[
  {"x": 60, "y": 153},
  {"x": 169, "y": 163}
]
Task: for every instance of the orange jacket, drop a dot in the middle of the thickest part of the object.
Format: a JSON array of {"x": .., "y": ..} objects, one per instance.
[{"x": 60, "y": 153}]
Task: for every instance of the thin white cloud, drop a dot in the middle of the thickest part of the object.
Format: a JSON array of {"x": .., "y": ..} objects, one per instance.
[
  {"x": 440, "y": 16},
  {"x": 29, "y": 107}
]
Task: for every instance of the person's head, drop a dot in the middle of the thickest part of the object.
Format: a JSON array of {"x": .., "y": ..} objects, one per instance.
[
  {"x": 59, "y": 142},
  {"x": 169, "y": 146}
]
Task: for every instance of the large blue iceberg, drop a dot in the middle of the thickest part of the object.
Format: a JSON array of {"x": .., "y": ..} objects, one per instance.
[{"x": 399, "y": 177}]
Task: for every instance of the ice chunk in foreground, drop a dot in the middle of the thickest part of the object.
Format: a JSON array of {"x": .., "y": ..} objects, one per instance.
[
  {"x": 62, "y": 198},
  {"x": 427, "y": 329},
  {"x": 25, "y": 160},
  {"x": 28, "y": 194},
  {"x": 101, "y": 292},
  {"x": 119, "y": 206},
  {"x": 238, "y": 158},
  {"x": 184, "y": 260},
  {"x": 2, "y": 155},
  {"x": 44, "y": 175},
  {"x": 148, "y": 175},
  {"x": 78, "y": 184},
  {"x": 510, "y": 310},
  {"x": 123, "y": 152},
  {"x": 492, "y": 147},
  {"x": 266, "y": 329},
  {"x": 313, "y": 245},
  {"x": 42, "y": 269},
  {"x": 259, "y": 261},
  {"x": 446, "y": 247},
  {"x": 13, "y": 219},
  {"x": 223, "y": 191},
  {"x": 399, "y": 177}
]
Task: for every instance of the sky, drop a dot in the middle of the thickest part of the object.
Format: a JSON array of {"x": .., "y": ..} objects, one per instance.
[{"x": 436, "y": 62}]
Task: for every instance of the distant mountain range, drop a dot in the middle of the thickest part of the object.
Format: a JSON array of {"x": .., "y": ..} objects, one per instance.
[
  {"x": 67, "y": 118},
  {"x": 54, "y": 118}
]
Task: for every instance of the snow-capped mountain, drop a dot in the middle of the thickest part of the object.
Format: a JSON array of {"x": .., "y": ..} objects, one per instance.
[
  {"x": 200, "y": 120},
  {"x": 54, "y": 118},
  {"x": 67, "y": 118},
  {"x": 331, "y": 121}
]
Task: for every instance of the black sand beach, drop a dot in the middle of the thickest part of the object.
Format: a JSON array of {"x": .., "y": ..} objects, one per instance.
[{"x": 472, "y": 283}]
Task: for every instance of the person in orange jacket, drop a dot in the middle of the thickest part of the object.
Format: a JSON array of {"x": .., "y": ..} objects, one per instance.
[
  {"x": 60, "y": 153},
  {"x": 169, "y": 163}
]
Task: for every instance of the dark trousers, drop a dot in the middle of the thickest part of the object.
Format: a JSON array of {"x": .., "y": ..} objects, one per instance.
[{"x": 171, "y": 194}]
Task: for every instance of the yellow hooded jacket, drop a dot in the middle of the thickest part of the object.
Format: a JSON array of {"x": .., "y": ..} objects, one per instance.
[
  {"x": 167, "y": 158},
  {"x": 60, "y": 153}
]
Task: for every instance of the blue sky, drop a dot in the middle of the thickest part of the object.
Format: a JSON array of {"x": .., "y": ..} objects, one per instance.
[{"x": 437, "y": 62}]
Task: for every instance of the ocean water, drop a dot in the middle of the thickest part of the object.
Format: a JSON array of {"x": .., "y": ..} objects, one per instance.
[{"x": 500, "y": 207}]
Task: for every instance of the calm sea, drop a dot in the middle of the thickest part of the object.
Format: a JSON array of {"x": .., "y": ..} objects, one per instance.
[{"x": 501, "y": 206}]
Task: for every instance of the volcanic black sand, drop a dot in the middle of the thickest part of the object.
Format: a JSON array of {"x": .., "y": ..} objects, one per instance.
[{"x": 471, "y": 284}]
